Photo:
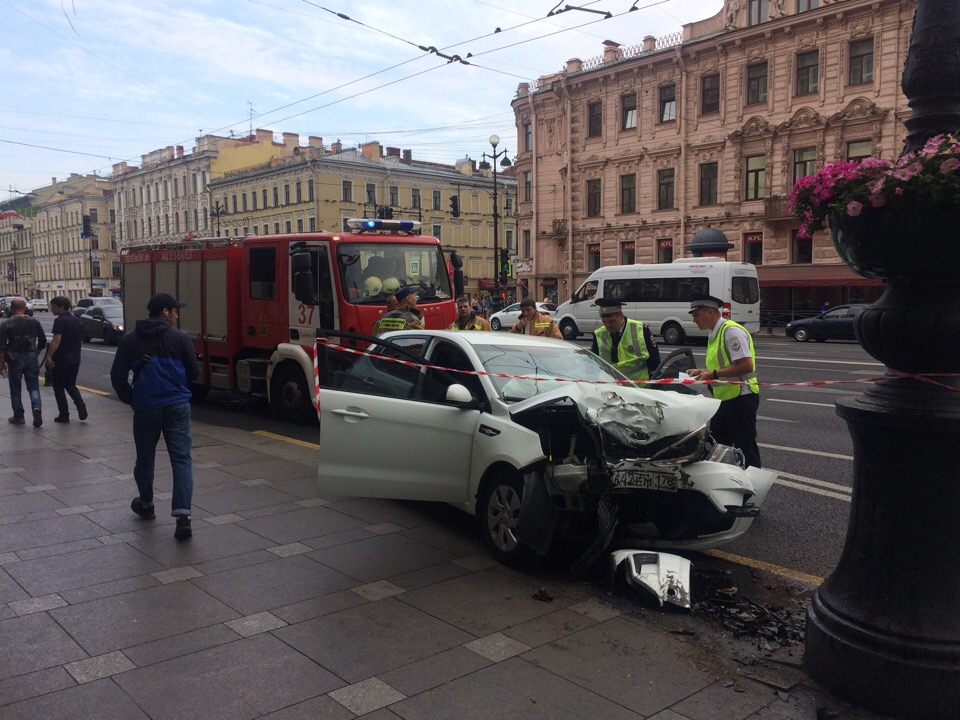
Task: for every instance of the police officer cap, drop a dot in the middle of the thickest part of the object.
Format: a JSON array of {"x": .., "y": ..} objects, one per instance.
[
  {"x": 403, "y": 292},
  {"x": 608, "y": 306},
  {"x": 698, "y": 300}
]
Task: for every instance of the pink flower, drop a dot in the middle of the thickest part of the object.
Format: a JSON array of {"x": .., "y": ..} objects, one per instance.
[
  {"x": 854, "y": 208},
  {"x": 949, "y": 165},
  {"x": 899, "y": 191},
  {"x": 878, "y": 199}
]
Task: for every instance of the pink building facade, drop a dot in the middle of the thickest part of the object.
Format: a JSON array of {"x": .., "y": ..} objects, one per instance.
[{"x": 625, "y": 157}]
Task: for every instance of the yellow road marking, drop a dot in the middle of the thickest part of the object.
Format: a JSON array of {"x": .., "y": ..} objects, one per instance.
[
  {"x": 92, "y": 390},
  {"x": 284, "y": 438},
  {"x": 760, "y": 565}
]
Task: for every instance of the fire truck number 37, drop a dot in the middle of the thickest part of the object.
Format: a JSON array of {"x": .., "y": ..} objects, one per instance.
[{"x": 305, "y": 316}]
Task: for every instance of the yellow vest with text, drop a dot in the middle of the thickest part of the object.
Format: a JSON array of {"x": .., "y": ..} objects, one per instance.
[
  {"x": 717, "y": 357},
  {"x": 632, "y": 351}
]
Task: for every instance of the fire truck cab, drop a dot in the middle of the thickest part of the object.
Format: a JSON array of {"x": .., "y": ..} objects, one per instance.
[{"x": 254, "y": 304}]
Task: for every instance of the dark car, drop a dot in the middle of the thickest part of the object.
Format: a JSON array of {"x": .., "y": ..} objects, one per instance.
[
  {"x": 105, "y": 323},
  {"x": 84, "y": 304},
  {"x": 834, "y": 324}
]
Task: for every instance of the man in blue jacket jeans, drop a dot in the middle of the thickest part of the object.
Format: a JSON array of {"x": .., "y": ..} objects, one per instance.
[{"x": 163, "y": 363}]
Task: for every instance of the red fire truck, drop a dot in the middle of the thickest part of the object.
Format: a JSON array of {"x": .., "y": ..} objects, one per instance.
[{"x": 254, "y": 304}]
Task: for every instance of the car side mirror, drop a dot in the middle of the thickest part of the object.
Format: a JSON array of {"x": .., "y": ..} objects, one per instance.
[{"x": 459, "y": 395}]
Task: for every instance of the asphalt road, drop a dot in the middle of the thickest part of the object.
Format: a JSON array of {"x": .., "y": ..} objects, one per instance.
[{"x": 803, "y": 523}]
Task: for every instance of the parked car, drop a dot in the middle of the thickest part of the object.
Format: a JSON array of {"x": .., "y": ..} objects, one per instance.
[
  {"x": 83, "y": 304},
  {"x": 834, "y": 324},
  {"x": 508, "y": 317},
  {"x": 40, "y": 305},
  {"x": 5, "y": 305},
  {"x": 104, "y": 323}
]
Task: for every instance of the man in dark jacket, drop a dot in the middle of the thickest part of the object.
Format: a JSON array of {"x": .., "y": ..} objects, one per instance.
[
  {"x": 63, "y": 359},
  {"x": 21, "y": 340},
  {"x": 164, "y": 363}
]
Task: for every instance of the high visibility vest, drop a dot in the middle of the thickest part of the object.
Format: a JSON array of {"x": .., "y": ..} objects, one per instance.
[
  {"x": 632, "y": 351},
  {"x": 474, "y": 324},
  {"x": 717, "y": 357}
]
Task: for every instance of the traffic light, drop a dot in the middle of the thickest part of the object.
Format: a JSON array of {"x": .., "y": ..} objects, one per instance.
[
  {"x": 87, "y": 227},
  {"x": 455, "y": 206},
  {"x": 505, "y": 268},
  {"x": 384, "y": 212}
]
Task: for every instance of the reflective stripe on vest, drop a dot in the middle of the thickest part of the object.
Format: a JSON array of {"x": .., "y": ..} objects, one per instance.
[
  {"x": 717, "y": 352},
  {"x": 474, "y": 325},
  {"x": 391, "y": 323},
  {"x": 630, "y": 362}
]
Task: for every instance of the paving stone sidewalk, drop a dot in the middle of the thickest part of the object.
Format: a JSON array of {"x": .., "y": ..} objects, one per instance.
[{"x": 289, "y": 605}]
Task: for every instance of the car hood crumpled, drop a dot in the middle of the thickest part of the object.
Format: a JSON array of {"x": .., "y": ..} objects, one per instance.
[{"x": 630, "y": 413}]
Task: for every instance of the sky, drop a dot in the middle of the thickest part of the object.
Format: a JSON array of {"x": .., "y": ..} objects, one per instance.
[{"x": 92, "y": 82}]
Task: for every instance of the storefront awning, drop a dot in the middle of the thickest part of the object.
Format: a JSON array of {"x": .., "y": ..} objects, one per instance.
[{"x": 811, "y": 276}]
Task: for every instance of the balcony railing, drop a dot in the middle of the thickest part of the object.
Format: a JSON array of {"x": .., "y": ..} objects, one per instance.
[{"x": 776, "y": 208}]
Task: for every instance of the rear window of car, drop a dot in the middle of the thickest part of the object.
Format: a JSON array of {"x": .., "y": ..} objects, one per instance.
[{"x": 746, "y": 290}]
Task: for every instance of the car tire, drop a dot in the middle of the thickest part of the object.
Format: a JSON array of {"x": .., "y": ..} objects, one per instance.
[
  {"x": 801, "y": 334},
  {"x": 569, "y": 330},
  {"x": 672, "y": 334},
  {"x": 495, "y": 324},
  {"x": 289, "y": 396},
  {"x": 498, "y": 511},
  {"x": 84, "y": 337}
]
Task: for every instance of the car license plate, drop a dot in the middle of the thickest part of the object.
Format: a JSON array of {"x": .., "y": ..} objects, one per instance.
[{"x": 637, "y": 479}]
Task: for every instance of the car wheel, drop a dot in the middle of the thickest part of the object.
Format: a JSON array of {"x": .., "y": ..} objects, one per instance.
[
  {"x": 84, "y": 336},
  {"x": 495, "y": 323},
  {"x": 290, "y": 398},
  {"x": 672, "y": 334},
  {"x": 498, "y": 512},
  {"x": 569, "y": 330},
  {"x": 801, "y": 334}
]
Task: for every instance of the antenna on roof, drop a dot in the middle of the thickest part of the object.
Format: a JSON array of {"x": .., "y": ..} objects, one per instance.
[{"x": 251, "y": 117}]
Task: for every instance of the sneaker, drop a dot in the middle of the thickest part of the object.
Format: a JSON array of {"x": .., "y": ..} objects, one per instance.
[
  {"x": 147, "y": 513},
  {"x": 82, "y": 411},
  {"x": 183, "y": 531},
  {"x": 62, "y": 418},
  {"x": 37, "y": 417},
  {"x": 15, "y": 421}
]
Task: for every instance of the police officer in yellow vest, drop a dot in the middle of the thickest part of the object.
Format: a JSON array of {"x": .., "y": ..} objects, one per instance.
[
  {"x": 730, "y": 356},
  {"x": 407, "y": 316},
  {"x": 623, "y": 342}
]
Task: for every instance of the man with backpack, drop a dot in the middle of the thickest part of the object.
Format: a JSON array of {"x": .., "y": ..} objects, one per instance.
[{"x": 21, "y": 340}]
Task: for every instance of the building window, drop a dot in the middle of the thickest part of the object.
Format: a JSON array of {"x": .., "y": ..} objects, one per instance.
[
  {"x": 276, "y": 228},
  {"x": 264, "y": 196},
  {"x": 346, "y": 192},
  {"x": 801, "y": 249},
  {"x": 344, "y": 227},
  {"x": 286, "y": 227},
  {"x": 528, "y": 186},
  {"x": 665, "y": 189},
  {"x": 759, "y": 11},
  {"x": 753, "y": 248},
  {"x": 804, "y": 163},
  {"x": 310, "y": 190},
  {"x": 526, "y": 243},
  {"x": 861, "y": 62},
  {"x": 243, "y": 202},
  {"x": 808, "y": 72},
  {"x": 859, "y": 149},
  {"x": 437, "y": 232},
  {"x": 710, "y": 95},
  {"x": 276, "y": 196},
  {"x": 593, "y": 257},
  {"x": 298, "y": 189},
  {"x": 234, "y": 199},
  {"x": 312, "y": 224},
  {"x": 371, "y": 194},
  {"x": 664, "y": 251},
  {"x": 286, "y": 194},
  {"x": 757, "y": 83},
  {"x": 595, "y": 119},
  {"x": 804, "y": 5},
  {"x": 628, "y": 254},
  {"x": 299, "y": 225},
  {"x": 593, "y": 198},
  {"x": 394, "y": 196},
  {"x": 628, "y": 194},
  {"x": 253, "y": 199},
  {"x": 508, "y": 205},
  {"x": 668, "y": 103},
  {"x": 628, "y": 112},
  {"x": 756, "y": 176},
  {"x": 527, "y": 137},
  {"x": 436, "y": 200},
  {"x": 708, "y": 183}
]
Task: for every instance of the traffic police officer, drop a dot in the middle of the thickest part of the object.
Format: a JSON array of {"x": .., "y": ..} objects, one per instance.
[
  {"x": 625, "y": 344},
  {"x": 730, "y": 356}
]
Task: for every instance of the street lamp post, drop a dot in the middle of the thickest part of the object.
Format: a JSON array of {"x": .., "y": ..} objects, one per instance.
[
  {"x": 217, "y": 211},
  {"x": 484, "y": 165},
  {"x": 13, "y": 246}
]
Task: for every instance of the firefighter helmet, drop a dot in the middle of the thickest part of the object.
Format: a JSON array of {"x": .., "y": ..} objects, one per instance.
[
  {"x": 373, "y": 285},
  {"x": 391, "y": 285}
]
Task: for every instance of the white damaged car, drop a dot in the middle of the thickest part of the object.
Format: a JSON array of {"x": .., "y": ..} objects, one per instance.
[{"x": 533, "y": 436}]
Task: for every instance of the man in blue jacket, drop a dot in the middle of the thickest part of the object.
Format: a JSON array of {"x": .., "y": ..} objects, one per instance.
[{"x": 163, "y": 363}]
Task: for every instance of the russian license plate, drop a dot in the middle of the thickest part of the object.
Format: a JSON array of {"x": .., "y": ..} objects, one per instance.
[{"x": 637, "y": 479}]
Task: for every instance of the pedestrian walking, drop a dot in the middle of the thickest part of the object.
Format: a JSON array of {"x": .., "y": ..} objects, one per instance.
[
  {"x": 163, "y": 363},
  {"x": 730, "y": 356},
  {"x": 21, "y": 340},
  {"x": 534, "y": 322},
  {"x": 63, "y": 359},
  {"x": 626, "y": 344},
  {"x": 467, "y": 317}
]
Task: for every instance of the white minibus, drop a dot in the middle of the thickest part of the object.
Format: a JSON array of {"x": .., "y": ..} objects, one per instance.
[{"x": 659, "y": 294}]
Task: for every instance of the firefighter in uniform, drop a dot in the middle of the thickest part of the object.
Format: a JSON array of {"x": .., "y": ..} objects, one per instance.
[
  {"x": 407, "y": 316},
  {"x": 467, "y": 317},
  {"x": 730, "y": 356},
  {"x": 626, "y": 344},
  {"x": 534, "y": 322}
]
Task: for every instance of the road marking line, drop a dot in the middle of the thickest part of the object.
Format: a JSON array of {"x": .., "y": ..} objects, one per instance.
[
  {"x": 93, "y": 390},
  {"x": 799, "y": 402},
  {"x": 811, "y": 481},
  {"x": 814, "y": 491},
  {"x": 818, "y": 453},
  {"x": 825, "y": 362},
  {"x": 760, "y": 565},
  {"x": 773, "y": 419},
  {"x": 284, "y": 438}
]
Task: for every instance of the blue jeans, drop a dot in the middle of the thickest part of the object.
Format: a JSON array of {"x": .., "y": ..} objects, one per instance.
[
  {"x": 174, "y": 422},
  {"x": 26, "y": 367}
]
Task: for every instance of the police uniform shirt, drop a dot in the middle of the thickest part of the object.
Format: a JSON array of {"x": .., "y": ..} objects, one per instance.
[
  {"x": 737, "y": 344},
  {"x": 614, "y": 344}
]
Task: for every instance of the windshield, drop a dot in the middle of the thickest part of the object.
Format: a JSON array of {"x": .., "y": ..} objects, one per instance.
[
  {"x": 113, "y": 314},
  {"x": 542, "y": 362},
  {"x": 369, "y": 272}
]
